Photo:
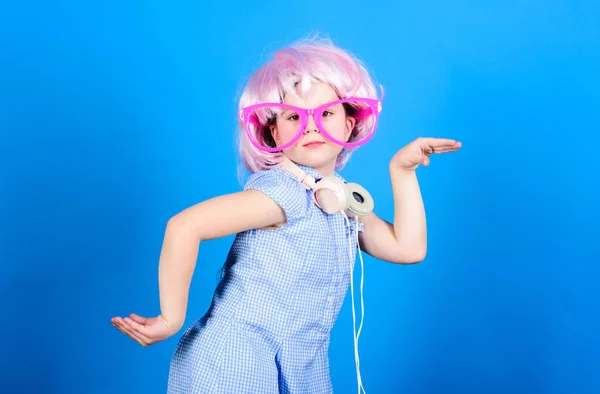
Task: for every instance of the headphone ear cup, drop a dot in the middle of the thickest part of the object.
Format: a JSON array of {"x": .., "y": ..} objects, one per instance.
[
  {"x": 330, "y": 195},
  {"x": 360, "y": 202}
]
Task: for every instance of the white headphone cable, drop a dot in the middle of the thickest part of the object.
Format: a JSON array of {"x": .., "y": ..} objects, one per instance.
[{"x": 356, "y": 336}]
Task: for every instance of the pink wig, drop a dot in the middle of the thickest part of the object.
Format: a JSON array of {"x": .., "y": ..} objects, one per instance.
[{"x": 301, "y": 63}]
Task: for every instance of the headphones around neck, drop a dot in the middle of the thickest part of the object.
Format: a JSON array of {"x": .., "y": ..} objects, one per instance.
[{"x": 331, "y": 194}]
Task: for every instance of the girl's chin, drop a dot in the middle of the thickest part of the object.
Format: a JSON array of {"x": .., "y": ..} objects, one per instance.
[{"x": 315, "y": 161}]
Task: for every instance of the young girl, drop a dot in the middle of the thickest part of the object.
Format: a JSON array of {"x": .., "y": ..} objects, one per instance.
[{"x": 268, "y": 327}]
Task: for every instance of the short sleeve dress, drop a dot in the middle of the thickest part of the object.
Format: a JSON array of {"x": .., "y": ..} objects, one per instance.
[{"x": 267, "y": 329}]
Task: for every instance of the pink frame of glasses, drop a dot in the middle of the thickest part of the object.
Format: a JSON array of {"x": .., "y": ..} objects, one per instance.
[{"x": 374, "y": 108}]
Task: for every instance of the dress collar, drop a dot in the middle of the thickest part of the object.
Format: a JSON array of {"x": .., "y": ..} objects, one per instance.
[{"x": 316, "y": 174}]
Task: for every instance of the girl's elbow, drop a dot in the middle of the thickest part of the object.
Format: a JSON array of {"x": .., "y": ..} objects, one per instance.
[
  {"x": 419, "y": 258},
  {"x": 413, "y": 257},
  {"x": 176, "y": 223},
  {"x": 182, "y": 225}
]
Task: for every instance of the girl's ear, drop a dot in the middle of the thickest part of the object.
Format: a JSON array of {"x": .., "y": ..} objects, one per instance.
[
  {"x": 350, "y": 123},
  {"x": 274, "y": 133}
]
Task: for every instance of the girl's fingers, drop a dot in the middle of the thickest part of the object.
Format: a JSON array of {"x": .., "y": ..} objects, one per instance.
[
  {"x": 130, "y": 332},
  {"x": 430, "y": 149},
  {"x": 140, "y": 330},
  {"x": 120, "y": 324},
  {"x": 137, "y": 318},
  {"x": 426, "y": 149},
  {"x": 441, "y": 145},
  {"x": 444, "y": 150},
  {"x": 121, "y": 327},
  {"x": 438, "y": 141}
]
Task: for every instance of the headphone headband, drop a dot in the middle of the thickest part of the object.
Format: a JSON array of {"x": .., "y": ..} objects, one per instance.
[{"x": 305, "y": 180}]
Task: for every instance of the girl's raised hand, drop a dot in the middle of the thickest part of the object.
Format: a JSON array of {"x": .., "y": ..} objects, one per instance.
[
  {"x": 145, "y": 331},
  {"x": 418, "y": 152}
]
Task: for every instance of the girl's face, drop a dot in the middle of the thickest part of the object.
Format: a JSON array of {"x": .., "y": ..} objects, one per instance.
[{"x": 313, "y": 149}]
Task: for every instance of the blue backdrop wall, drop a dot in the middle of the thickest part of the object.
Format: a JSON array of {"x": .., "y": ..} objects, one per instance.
[{"x": 114, "y": 117}]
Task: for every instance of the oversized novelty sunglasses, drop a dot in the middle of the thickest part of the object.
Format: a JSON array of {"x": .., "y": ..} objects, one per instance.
[{"x": 256, "y": 117}]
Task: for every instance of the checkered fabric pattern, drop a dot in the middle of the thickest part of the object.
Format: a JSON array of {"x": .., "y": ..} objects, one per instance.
[{"x": 268, "y": 327}]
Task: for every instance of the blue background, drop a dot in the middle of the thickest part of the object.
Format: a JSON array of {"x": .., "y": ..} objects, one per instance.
[{"x": 114, "y": 117}]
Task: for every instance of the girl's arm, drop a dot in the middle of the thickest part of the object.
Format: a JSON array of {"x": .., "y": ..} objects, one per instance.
[
  {"x": 214, "y": 218},
  {"x": 405, "y": 241}
]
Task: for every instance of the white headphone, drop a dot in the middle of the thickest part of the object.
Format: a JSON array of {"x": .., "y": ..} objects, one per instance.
[{"x": 331, "y": 194}]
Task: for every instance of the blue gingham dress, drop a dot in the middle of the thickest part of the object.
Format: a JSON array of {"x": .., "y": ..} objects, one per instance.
[{"x": 268, "y": 327}]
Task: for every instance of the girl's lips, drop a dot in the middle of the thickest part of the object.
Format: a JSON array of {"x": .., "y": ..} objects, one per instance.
[{"x": 313, "y": 144}]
